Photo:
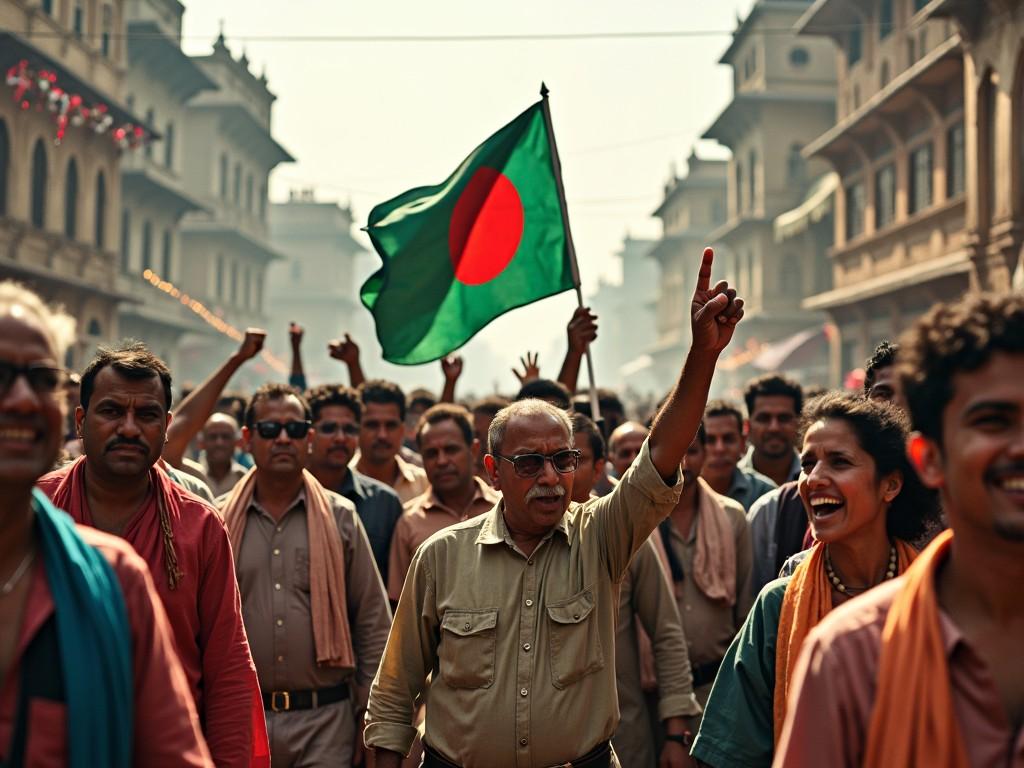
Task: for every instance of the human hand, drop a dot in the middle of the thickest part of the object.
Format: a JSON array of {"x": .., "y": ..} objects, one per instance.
[
  {"x": 714, "y": 311},
  {"x": 295, "y": 332},
  {"x": 673, "y": 755},
  {"x": 582, "y": 330},
  {"x": 252, "y": 343},
  {"x": 451, "y": 367},
  {"x": 531, "y": 371},
  {"x": 345, "y": 350}
]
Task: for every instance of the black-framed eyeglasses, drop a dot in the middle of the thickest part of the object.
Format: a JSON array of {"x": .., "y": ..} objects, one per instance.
[
  {"x": 532, "y": 464},
  {"x": 269, "y": 430},
  {"x": 331, "y": 427},
  {"x": 43, "y": 379}
]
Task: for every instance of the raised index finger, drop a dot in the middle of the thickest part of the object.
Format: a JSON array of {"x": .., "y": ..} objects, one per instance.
[{"x": 704, "y": 276}]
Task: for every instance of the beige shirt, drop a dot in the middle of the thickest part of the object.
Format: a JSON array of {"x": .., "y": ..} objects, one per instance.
[
  {"x": 226, "y": 483},
  {"x": 647, "y": 596},
  {"x": 423, "y": 517},
  {"x": 273, "y": 577},
  {"x": 833, "y": 691},
  {"x": 410, "y": 482},
  {"x": 520, "y": 648},
  {"x": 710, "y": 625}
]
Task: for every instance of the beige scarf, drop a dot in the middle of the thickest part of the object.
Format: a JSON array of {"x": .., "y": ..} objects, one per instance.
[
  {"x": 714, "y": 562},
  {"x": 332, "y": 635}
]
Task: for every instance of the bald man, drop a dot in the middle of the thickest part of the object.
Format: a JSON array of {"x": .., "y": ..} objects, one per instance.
[
  {"x": 218, "y": 439},
  {"x": 624, "y": 445}
]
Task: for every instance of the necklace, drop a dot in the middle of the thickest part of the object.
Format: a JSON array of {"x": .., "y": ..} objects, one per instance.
[
  {"x": 890, "y": 573},
  {"x": 12, "y": 582}
]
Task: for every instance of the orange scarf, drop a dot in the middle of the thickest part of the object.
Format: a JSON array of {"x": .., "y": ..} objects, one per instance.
[
  {"x": 913, "y": 721},
  {"x": 332, "y": 635},
  {"x": 807, "y": 601}
]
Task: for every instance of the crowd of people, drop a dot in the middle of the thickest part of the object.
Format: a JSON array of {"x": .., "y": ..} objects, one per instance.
[{"x": 350, "y": 574}]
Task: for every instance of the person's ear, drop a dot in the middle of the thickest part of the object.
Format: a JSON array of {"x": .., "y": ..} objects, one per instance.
[
  {"x": 79, "y": 420},
  {"x": 926, "y": 458},
  {"x": 599, "y": 466},
  {"x": 491, "y": 467},
  {"x": 246, "y": 440},
  {"x": 892, "y": 485}
]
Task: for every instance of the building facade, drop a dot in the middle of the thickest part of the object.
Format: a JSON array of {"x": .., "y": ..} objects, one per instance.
[
  {"x": 63, "y": 129},
  {"x": 784, "y": 97}
]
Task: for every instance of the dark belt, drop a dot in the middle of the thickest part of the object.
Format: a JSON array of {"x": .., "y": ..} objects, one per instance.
[
  {"x": 289, "y": 701},
  {"x": 599, "y": 757},
  {"x": 705, "y": 673}
]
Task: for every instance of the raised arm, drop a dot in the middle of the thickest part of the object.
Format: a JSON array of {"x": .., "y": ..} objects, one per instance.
[
  {"x": 192, "y": 412},
  {"x": 347, "y": 351},
  {"x": 451, "y": 367},
  {"x": 297, "y": 378},
  {"x": 582, "y": 330}
]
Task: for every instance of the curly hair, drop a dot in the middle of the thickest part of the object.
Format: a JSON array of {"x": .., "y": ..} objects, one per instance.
[
  {"x": 882, "y": 430},
  {"x": 950, "y": 339},
  {"x": 334, "y": 394},
  {"x": 883, "y": 357}
]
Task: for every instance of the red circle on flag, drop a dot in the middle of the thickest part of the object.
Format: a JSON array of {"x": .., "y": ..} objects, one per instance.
[{"x": 485, "y": 228}]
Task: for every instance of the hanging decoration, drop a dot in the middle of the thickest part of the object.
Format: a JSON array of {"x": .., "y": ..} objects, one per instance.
[
  {"x": 209, "y": 317},
  {"x": 39, "y": 88}
]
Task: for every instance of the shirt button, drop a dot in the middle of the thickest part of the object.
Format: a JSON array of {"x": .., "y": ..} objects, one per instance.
[
  {"x": 523, "y": 742},
  {"x": 280, "y": 622},
  {"x": 468, "y": 626},
  {"x": 277, "y": 586},
  {"x": 279, "y": 529},
  {"x": 526, "y": 646},
  {"x": 530, "y": 561},
  {"x": 529, "y": 603},
  {"x": 576, "y": 616},
  {"x": 277, "y": 552},
  {"x": 523, "y": 691}
]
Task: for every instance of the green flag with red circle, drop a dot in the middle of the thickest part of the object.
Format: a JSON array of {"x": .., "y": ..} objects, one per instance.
[{"x": 487, "y": 240}]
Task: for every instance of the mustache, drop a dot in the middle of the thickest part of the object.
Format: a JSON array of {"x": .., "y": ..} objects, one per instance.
[
  {"x": 117, "y": 442},
  {"x": 542, "y": 492}
]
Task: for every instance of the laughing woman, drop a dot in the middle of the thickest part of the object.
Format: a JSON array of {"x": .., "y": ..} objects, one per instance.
[{"x": 864, "y": 503}]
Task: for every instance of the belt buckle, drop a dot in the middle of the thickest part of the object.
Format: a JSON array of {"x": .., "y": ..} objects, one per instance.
[{"x": 274, "y": 699}]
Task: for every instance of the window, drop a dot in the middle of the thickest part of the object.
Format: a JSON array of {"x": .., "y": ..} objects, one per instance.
[
  {"x": 219, "y": 277},
  {"x": 854, "y": 48},
  {"x": 147, "y": 246},
  {"x": 739, "y": 188},
  {"x": 169, "y": 145},
  {"x": 911, "y": 51},
  {"x": 919, "y": 4},
  {"x": 885, "y": 19},
  {"x": 48, "y": 7},
  {"x": 223, "y": 176},
  {"x": 259, "y": 291},
  {"x": 106, "y": 28},
  {"x": 238, "y": 183},
  {"x": 856, "y": 97},
  {"x": 5, "y": 162},
  {"x": 795, "y": 165},
  {"x": 885, "y": 196},
  {"x": 126, "y": 241},
  {"x": 920, "y": 178},
  {"x": 100, "y": 230},
  {"x": 168, "y": 245},
  {"x": 799, "y": 57},
  {"x": 752, "y": 179},
  {"x": 246, "y": 288},
  {"x": 263, "y": 202},
  {"x": 248, "y": 193},
  {"x": 855, "y": 204},
  {"x": 883, "y": 76},
  {"x": 150, "y": 121},
  {"x": 234, "y": 282},
  {"x": 39, "y": 174},
  {"x": 78, "y": 20},
  {"x": 955, "y": 161},
  {"x": 71, "y": 200}
]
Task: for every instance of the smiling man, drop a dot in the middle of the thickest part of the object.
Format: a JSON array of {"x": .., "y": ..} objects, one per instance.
[
  {"x": 118, "y": 488},
  {"x": 513, "y": 612},
  {"x": 925, "y": 669}
]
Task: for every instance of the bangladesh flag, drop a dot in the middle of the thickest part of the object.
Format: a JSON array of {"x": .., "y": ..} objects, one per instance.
[{"x": 490, "y": 238}]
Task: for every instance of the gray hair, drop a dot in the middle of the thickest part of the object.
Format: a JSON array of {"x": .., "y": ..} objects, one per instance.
[
  {"x": 59, "y": 326},
  {"x": 528, "y": 407}
]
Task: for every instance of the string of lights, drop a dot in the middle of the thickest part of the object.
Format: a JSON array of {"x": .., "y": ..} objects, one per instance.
[{"x": 209, "y": 317}]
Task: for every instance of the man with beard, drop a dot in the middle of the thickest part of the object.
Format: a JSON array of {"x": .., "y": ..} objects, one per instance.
[
  {"x": 773, "y": 405},
  {"x": 88, "y": 670},
  {"x": 725, "y": 446},
  {"x": 118, "y": 487},
  {"x": 380, "y": 440},
  {"x": 445, "y": 441},
  {"x": 512, "y": 610},
  {"x": 925, "y": 669},
  {"x": 311, "y": 595},
  {"x": 336, "y": 413}
]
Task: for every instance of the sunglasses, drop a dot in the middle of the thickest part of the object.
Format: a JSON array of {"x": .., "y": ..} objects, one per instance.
[
  {"x": 532, "y": 464},
  {"x": 269, "y": 430},
  {"x": 43, "y": 379},
  {"x": 331, "y": 427}
]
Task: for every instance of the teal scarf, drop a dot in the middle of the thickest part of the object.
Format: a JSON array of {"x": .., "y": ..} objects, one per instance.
[{"x": 94, "y": 639}]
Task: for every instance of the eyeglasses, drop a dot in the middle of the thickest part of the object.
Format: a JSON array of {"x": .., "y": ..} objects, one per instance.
[
  {"x": 331, "y": 427},
  {"x": 269, "y": 430},
  {"x": 532, "y": 464},
  {"x": 43, "y": 379}
]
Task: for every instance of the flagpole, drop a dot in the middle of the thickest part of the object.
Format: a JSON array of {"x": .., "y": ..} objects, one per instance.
[{"x": 556, "y": 169}]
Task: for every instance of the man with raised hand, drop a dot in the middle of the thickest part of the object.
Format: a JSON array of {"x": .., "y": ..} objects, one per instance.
[
  {"x": 514, "y": 610},
  {"x": 119, "y": 488},
  {"x": 88, "y": 670}
]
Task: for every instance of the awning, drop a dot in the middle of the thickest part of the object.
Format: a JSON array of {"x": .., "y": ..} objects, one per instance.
[
  {"x": 816, "y": 205},
  {"x": 795, "y": 351}
]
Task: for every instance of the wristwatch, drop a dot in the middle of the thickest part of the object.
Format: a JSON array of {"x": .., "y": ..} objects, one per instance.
[{"x": 685, "y": 738}]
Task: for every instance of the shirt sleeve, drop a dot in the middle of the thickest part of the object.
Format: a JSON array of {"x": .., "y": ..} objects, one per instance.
[
  {"x": 167, "y": 730},
  {"x": 625, "y": 517},
  {"x": 744, "y": 569},
  {"x": 229, "y": 676},
  {"x": 408, "y": 658},
  {"x": 655, "y": 606},
  {"x": 738, "y": 726},
  {"x": 762, "y": 518}
]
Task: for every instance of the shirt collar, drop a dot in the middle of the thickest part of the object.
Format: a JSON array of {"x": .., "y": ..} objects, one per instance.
[
  {"x": 747, "y": 463},
  {"x": 740, "y": 482},
  {"x": 481, "y": 492},
  {"x": 299, "y": 500},
  {"x": 494, "y": 531}
]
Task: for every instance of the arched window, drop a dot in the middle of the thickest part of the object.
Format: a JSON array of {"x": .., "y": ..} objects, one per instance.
[
  {"x": 100, "y": 230},
  {"x": 106, "y": 29},
  {"x": 94, "y": 328},
  {"x": 5, "y": 161},
  {"x": 78, "y": 19},
  {"x": 48, "y": 7},
  {"x": 39, "y": 173},
  {"x": 147, "y": 246},
  {"x": 169, "y": 146},
  {"x": 71, "y": 200}
]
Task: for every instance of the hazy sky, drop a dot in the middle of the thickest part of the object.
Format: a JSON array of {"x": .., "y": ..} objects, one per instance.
[{"x": 367, "y": 121}]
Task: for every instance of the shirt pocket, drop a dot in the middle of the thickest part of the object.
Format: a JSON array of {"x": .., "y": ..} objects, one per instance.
[
  {"x": 302, "y": 569},
  {"x": 46, "y": 742},
  {"x": 466, "y": 651},
  {"x": 575, "y": 639}
]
